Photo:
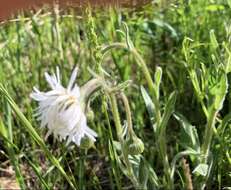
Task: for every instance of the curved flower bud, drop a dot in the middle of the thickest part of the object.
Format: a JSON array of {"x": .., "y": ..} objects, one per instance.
[
  {"x": 90, "y": 115},
  {"x": 134, "y": 145},
  {"x": 86, "y": 143}
]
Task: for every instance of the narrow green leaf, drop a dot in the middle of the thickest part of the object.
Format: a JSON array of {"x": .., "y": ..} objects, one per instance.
[
  {"x": 225, "y": 121},
  {"x": 218, "y": 91},
  {"x": 229, "y": 3},
  {"x": 116, "y": 158},
  {"x": 178, "y": 156},
  {"x": 191, "y": 139},
  {"x": 215, "y": 7},
  {"x": 117, "y": 145},
  {"x": 169, "y": 108},
  {"x": 165, "y": 25},
  {"x": 158, "y": 78},
  {"x": 128, "y": 40},
  {"x": 3, "y": 130},
  {"x": 143, "y": 174},
  {"x": 33, "y": 133},
  {"x": 201, "y": 169},
  {"x": 149, "y": 104},
  {"x": 227, "y": 62},
  {"x": 213, "y": 40},
  {"x": 153, "y": 178},
  {"x": 38, "y": 173},
  {"x": 12, "y": 155}
]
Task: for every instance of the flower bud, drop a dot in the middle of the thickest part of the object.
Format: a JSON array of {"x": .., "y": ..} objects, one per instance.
[
  {"x": 90, "y": 115},
  {"x": 86, "y": 143},
  {"x": 134, "y": 145}
]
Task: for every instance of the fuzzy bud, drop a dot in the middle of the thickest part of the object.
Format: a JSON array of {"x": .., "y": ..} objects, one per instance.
[
  {"x": 134, "y": 145},
  {"x": 90, "y": 115},
  {"x": 86, "y": 143}
]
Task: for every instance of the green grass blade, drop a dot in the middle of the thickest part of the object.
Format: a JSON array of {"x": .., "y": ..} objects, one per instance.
[{"x": 33, "y": 133}]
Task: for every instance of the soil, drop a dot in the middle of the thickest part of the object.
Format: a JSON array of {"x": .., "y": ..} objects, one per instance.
[{"x": 10, "y": 7}]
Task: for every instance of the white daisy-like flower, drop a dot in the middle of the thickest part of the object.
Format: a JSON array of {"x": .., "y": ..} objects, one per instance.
[{"x": 61, "y": 109}]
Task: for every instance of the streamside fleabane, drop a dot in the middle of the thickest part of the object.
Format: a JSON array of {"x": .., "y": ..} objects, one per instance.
[{"x": 62, "y": 110}]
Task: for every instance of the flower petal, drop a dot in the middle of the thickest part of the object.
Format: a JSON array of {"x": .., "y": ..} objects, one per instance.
[{"x": 72, "y": 79}]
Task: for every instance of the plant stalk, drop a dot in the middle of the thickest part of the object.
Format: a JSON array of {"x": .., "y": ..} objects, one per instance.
[
  {"x": 208, "y": 135},
  {"x": 128, "y": 112},
  {"x": 119, "y": 131},
  {"x": 163, "y": 155},
  {"x": 141, "y": 63}
]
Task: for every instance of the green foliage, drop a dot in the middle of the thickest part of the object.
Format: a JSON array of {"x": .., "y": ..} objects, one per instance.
[{"x": 173, "y": 64}]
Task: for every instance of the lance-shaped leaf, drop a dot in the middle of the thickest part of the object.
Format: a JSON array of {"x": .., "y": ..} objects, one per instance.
[
  {"x": 201, "y": 169},
  {"x": 158, "y": 78},
  {"x": 169, "y": 109},
  {"x": 191, "y": 139},
  {"x": 218, "y": 91},
  {"x": 149, "y": 104}
]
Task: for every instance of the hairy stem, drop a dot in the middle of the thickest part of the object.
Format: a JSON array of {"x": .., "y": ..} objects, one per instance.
[
  {"x": 163, "y": 155},
  {"x": 141, "y": 63},
  {"x": 208, "y": 135},
  {"x": 128, "y": 112},
  {"x": 116, "y": 116},
  {"x": 119, "y": 130}
]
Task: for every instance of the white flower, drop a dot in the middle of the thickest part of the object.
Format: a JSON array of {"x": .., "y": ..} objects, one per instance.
[{"x": 61, "y": 109}]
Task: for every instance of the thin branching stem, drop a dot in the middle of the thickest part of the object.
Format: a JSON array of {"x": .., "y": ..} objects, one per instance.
[
  {"x": 141, "y": 63},
  {"x": 119, "y": 130},
  {"x": 208, "y": 135},
  {"x": 128, "y": 112}
]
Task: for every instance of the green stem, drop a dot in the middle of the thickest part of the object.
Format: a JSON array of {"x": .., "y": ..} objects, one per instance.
[
  {"x": 82, "y": 170},
  {"x": 128, "y": 112},
  {"x": 206, "y": 145},
  {"x": 33, "y": 133},
  {"x": 119, "y": 130},
  {"x": 141, "y": 63},
  {"x": 208, "y": 135},
  {"x": 164, "y": 157},
  {"x": 116, "y": 116},
  {"x": 115, "y": 168},
  {"x": 162, "y": 138},
  {"x": 57, "y": 31},
  {"x": 150, "y": 82},
  {"x": 93, "y": 40}
]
